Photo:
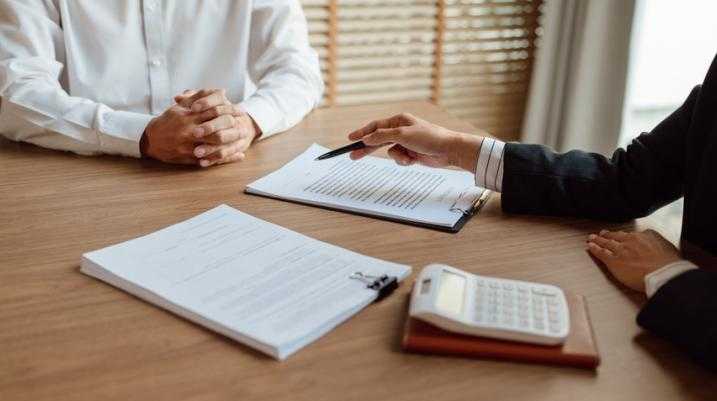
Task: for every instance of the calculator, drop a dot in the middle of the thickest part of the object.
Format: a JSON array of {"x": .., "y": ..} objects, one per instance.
[{"x": 513, "y": 310}]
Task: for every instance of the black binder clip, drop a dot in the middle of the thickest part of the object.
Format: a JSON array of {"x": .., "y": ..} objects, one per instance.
[{"x": 383, "y": 284}]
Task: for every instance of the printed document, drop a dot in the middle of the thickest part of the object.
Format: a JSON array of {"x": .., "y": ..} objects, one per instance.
[
  {"x": 373, "y": 186},
  {"x": 261, "y": 284}
]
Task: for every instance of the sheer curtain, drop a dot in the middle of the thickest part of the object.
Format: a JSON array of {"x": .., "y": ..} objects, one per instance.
[{"x": 579, "y": 79}]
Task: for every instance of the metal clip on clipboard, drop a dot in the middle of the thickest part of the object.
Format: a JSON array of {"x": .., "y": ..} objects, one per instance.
[{"x": 467, "y": 204}]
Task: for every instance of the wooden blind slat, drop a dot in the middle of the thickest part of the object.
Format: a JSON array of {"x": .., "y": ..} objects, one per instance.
[{"x": 472, "y": 57}]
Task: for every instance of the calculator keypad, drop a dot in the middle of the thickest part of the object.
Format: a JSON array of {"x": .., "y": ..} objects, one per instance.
[{"x": 517, "y": 306}]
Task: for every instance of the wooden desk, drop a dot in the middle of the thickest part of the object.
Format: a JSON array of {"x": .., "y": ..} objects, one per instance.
[{"x": 64, "y": 335}]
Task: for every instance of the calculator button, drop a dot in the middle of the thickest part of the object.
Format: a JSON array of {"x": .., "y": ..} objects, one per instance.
[
  {"x": 480, "y": 283},
  {"x": 507, "y": 286},
  {"x": 539, "y": 326},
  {"x": 494, "y": 286}
]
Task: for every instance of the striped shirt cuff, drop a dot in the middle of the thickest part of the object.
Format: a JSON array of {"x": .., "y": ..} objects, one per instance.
[{"x": 489, "y": 169}]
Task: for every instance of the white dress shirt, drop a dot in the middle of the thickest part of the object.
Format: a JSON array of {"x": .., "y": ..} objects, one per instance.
[
  {"x": 88, "y": 75},
  {"x": 489, "y": 174}
]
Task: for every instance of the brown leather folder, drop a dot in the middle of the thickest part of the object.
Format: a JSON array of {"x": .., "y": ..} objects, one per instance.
[{"x": 579, "y": 350}]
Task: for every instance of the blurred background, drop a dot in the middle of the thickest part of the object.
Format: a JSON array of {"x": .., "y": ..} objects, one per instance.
[
  {"x": 473, "y": 58},
  {"x": 673, "y": 44},
  {"x": 590, "y": 74}
]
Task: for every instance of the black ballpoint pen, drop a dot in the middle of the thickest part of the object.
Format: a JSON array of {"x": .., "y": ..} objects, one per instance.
[{"x": 345, "y": 149}]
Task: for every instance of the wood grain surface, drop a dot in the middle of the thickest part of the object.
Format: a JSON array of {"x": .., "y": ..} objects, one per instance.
[{"x": 64, "y": 335}]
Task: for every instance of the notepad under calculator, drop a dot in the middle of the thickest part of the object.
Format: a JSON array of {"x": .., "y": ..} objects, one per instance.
[
  {"x": 438, "y": 198},
  {"x": 261, "y": 284}
]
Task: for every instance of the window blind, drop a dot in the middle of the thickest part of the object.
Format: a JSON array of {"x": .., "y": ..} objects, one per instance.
[{"x": 472, "y": 57}]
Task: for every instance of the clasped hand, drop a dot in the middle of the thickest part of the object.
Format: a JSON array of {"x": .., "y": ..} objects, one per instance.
[{"x": 203, "y": 128}]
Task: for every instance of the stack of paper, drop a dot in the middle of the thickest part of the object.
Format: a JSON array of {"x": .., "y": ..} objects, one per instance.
[{"x": 263, "y": 285}]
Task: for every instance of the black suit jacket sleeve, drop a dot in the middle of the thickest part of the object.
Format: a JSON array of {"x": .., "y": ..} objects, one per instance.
[
  {"x": 684, "y": 311},
  {"x": 633, "y": 183}
]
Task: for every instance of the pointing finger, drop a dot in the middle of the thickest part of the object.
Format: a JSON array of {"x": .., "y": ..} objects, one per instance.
[
  {"x": 373, "y": 126},
  {"x": 363, "y": 131}
]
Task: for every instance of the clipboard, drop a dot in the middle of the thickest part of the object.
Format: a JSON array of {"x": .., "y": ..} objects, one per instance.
[{"x": 468, "y": 212}]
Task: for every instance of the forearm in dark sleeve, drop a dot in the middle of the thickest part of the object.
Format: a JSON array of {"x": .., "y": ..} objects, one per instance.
[
  {"x": 684, "y": 312},
  {"x": 633, "y": 183}
]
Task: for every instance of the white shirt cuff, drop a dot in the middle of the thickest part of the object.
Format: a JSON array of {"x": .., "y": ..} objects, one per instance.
[
  {"x": 120, "y": 132},
  {"x": 263, "y": 114},
  {"x": 489, "y": 169},
  {"x": 658, "y": 278}
]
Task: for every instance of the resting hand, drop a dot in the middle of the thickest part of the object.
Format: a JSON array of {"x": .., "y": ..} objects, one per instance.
[
  {"x": 217, "y": 141},
  {"x": 415, "y": 140},
  {"x": 631, "y": 256},
  {"x": 169, "y": 137}
]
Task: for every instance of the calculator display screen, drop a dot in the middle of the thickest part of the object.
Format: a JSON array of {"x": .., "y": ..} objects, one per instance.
[{"x": 450, "y": 293}]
